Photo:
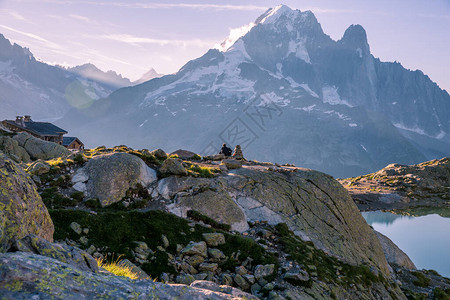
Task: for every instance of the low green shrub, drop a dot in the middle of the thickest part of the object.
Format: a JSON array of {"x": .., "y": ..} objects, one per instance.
[
  {"x": 197, "y": 216},
  {"x": 422, "y": 280}
]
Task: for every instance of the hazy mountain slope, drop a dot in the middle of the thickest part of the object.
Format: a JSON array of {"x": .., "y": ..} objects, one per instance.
[
  {"x": 286, "y": 92},
  {"x": 28, "y": 86},
  {"x": 109, "y": 78}
]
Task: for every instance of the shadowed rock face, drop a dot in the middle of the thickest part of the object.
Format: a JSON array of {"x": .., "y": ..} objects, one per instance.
[
  {"x": 22, "y": 211},
  {"x": 23, "y": 275},
  {"x": 393, "y": 253},
  {"x": 314, "y": 205}
]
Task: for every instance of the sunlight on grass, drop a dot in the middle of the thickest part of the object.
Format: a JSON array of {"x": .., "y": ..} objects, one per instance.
[{"x": 116, "y": 269}]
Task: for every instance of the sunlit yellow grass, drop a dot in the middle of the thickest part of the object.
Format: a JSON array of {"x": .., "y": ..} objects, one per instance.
[{"x": 116, "y": 269}]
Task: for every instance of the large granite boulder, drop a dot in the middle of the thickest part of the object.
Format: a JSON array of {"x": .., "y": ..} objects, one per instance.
[
  {"x": 40, "y": 149},
  {"x": 314, "y": 206},
  {"x": 28, "y": 276},
  {"x": 394, "y": 255},
  {"x": 11, "y": 147},
  {"x": 22, "y": 211},
  {"x": 108, "y": 177}
]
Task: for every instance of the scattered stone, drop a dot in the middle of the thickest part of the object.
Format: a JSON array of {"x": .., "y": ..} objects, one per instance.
[
  {"x": 215, "y": 254},
  {"x": 185, "y": 279},
  {"x": 241, "y": 282},
  {"x": 195, "y": 260},
  {"x": 188, "y": 268},
  {"x": 297, "y": 277},
  {"x": 210, "y": 267},
  {"x": 159, "y": 153},
  {"x": 268, "y": 287},
  {"x": 165, "y": 241},
  {"x": 214, "y": 239},
  {"x": 250, "y": 278},
  {"x": 241, "y": 270},
  {"x": 173, "y": 166},
  {"x": 91, "y": 249},
  {"x": 83, "y": 240},
  {"x": 255, "y": 289},
  {"x": 232, "y": 163},
  {"x": 195, "y": 249},
  {"x": 264, "y": 270},
  {"x": 86, "y": 230},
  {"x": 227, "y": 279},
  {"x": 179, "y": 248}
]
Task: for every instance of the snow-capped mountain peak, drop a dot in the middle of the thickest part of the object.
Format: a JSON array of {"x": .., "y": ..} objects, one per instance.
[{"x": 272, "y": 14}]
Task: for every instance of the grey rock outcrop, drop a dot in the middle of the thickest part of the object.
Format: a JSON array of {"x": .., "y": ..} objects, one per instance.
[
  {"x": 23, "y": 275},
  {"x": 314, "y": 206},
  {"x": 40, "y": 149},
  {"x": 108, "y": 177},
  {"x": 22, "y": 210},
  {"x": 64, "y": 253},
  {"x": 394, "y": 255},
  {"x": 11, "y": 147}
]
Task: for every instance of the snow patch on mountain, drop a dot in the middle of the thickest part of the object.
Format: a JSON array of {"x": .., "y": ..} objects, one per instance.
[
  {"x": 306, "y": 88},
  {"x": 299, "y": 49},
  {"x": 420, "y": 131},
  {"x": 272, "y": 98},
  {"x": 331, "y": 96}
]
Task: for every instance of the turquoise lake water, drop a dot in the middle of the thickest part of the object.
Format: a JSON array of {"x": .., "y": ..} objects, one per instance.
[{"x": 425, "y": 239}]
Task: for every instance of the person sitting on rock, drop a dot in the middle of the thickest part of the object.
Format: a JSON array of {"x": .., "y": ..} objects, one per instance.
[
  {"x": 238, "y": 153},
  {"x": 225, "y": 150}
]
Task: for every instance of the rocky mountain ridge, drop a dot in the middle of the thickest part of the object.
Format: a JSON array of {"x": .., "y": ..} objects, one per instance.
[
  {"x": 29, "y": 86},
  {"x": 285, "y": 91}
]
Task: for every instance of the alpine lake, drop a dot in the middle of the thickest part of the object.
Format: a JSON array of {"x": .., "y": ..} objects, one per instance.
[{"x": 423, "y": 235}]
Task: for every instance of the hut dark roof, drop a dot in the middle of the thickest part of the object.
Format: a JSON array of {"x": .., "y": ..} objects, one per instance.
[
  {"x": 41, "y": 128},
  {"x": 67, "y": 140}
]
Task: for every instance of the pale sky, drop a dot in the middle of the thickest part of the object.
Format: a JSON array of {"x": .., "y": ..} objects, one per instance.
[{"x": 131, "y": 36}]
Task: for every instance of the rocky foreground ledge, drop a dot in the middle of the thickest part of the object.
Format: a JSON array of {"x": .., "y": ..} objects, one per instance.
[{"x": 204, "y": 228}]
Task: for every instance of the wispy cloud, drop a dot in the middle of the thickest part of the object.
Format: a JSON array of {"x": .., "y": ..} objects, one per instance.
[
  {"x": 81, "y": 18},
  {"x": 33, "y": 36},
  {"x": 136, "y": 40},
  {"x": 15, "y": 15},
  {"x": 158, "y": 5}
]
